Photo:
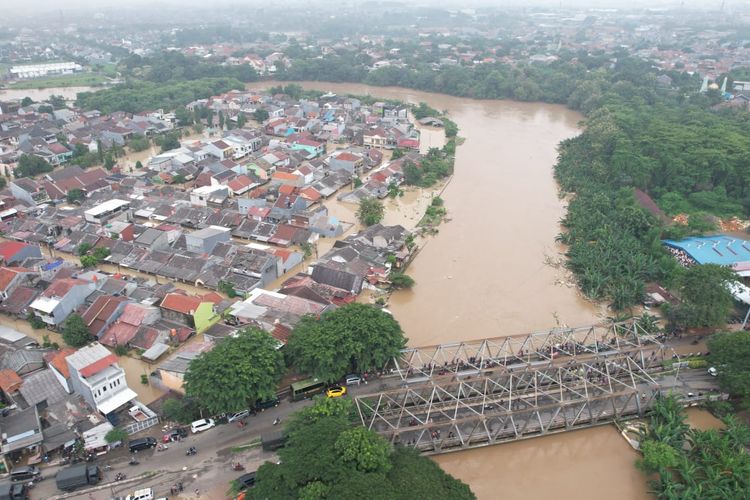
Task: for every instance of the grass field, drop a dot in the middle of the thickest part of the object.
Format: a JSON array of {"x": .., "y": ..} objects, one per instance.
[{"x": 75, "y": 80}]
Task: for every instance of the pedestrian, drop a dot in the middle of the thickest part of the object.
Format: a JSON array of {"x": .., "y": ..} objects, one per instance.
[{"x": 197, "y": 492}]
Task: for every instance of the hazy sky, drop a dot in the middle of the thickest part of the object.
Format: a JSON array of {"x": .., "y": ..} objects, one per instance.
[{"x": 31, "y": 6}]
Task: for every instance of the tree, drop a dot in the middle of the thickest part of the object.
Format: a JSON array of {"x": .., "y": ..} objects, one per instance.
[
  {"x": 228, "y": 289},
  {"x": 221, "y": 120},
  {"x": 183, "y": 411},
  {"x": 365, "y": 449},
  {"x": 236, "y": 373},
  {"x": 400, "y": 280},
  {"x": 397, "y": 153},
  {"x": 353, "y": 338},
  {"x": 349, "y": 462},
  {"x": 109, "y": 161},
  {"x": 371, "y": 211},
  {"x": 730, "y": 354},
  {"x": 171, "y": 141},
  {"x": 260, "y": 115},
  {"x": 138, "y": 165},
  {"x": 57, "y": 101},
  {"x": 83, "y": 248},
  {"x": 26, "y": 101},
  {"x": 241, "y": 120},
  {"x": 706, "y": 300},
  {"x": 46, "y": 108},
  {"x": 657, "y": 457},
  {"x": 139, "y": 143},
  {"x": 31, "y": 165},
  {"x": 116, "y": 435},
  {"x": 75, "y": 195},
  {"x": 179, "y": 179},
  {"x": 75, "y": 332}
]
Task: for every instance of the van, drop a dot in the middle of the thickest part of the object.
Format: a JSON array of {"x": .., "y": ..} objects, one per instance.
[
  {"x": 353, "y": 379},
  {"x": 142, "y": 494},
  {"x": 141, "y": 444},
  {"x": 24, "y": 473},
  {"x": 238, "y": 416}
]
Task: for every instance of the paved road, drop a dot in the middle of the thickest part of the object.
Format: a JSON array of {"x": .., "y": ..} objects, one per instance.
[{"x": 210, "y": 471}]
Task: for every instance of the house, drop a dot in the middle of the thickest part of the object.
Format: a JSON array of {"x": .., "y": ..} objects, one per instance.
[
  {"x": 374, "y": 138},
  {"x": 152, "y": 239},
  {"x": 12, "y": 277},
  {"x": 202, "y": 196},
  {"x": 106, "y": 210},
  {"x": 346, "y": 161},
  {"x": 133, "y": 317},
  {"x": 103, "y": 312},
  {"x": 59, "y": 367},
  {"x": 15, "y": 252},
  {"x": 219, "y": 150},
  {"x": 312, "y": 148},
  {"x": 61, "y": 298},
  {"x": 204, "y": 240},
  {"x": 197, "y": 312},
  {"x": 171, "y": 373},
  {"x": 21, "y": 430},
  {"x": 29, "y": 190},
  {"x": 267, "y": 310},
  {"x": 98, "y": 378}
]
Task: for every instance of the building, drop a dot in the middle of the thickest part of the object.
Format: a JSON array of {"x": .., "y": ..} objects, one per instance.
[
  {"x": 171, "y": 373},
  {"x": 96, "y": 376},
  {"x": 106, "y": 210},
  {"x": 204, "y": 240},
  {"x": 15, "y": 252},
  {"x": 42, "y": 70},
  {"x": 60, "y": 299},
  {"x": 197, "y": 312},
  {"x": 202, "y": 196}
]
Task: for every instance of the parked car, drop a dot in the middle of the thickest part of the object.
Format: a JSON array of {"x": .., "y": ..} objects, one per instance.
[
  {"x": 141, "y": 444},
  {"x": 264, "y": 405},
  {"x": 24, "y": 473},
  {"x": 713, "y": 371},
  {"x": 353, "y": 379},
  {"x": 246, "y": 480},
  {"x": 175, "y": 434},
  {"x": 238, "y": 416},
  {"x": 142, "y": 494},
  {"x": 335, "y": 391},
  {"x": 202, "y": 425}
]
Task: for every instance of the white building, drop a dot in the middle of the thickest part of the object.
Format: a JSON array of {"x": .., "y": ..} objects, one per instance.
[
  {"x": 41, "y": 70},
  {"x": 96, "y": 376},
  {"x": 105, "y": 211},
  {"x": 203, "y": 195}
]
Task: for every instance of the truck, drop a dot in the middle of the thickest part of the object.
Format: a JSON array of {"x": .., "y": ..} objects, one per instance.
[
  {"x": 13, "y": 491},
  {"x": 76, "y": 476}
]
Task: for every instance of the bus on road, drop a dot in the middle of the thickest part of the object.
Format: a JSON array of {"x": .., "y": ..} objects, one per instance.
[{"x": 307, "y": 388}]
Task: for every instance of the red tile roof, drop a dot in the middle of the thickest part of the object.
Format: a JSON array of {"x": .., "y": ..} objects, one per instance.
[
  {"x": 185, "y": 304},
  {"x": 310, "y": 193},
  {"x": 60, "y": 287},
  {"x": 8, "y": 249},
  {"x": 286, "y": 189},
  {"x": 57, "y": 360},
  {"x": 7, "y": 274},
  {"x": 98, "y": 365},
  {"x": 100, "y": 311},
  {"x": 10, "y": 381},
  {"x": 347, "y": 156}
]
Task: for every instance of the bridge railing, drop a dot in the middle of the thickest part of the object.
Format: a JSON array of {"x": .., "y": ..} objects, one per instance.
[{"x": 525, "y": 352}]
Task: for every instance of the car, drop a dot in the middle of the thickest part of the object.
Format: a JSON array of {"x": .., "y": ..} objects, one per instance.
[
  {"x": 353, "y": 379},
  {"x": 174, "y": 435},
  {"x": 202, "y": 425},
  {"x": 335, "y": 391},
  {"x": 238, "y": 416},
  {"x": 713, "y": 371},
  {"x": 246, "y": 480},
  {"x": 142, "y": 494},
  {"x": 264, "y": 405},
  {"x": 141, "y": 444},
  {"x": 24, "y": 473}
]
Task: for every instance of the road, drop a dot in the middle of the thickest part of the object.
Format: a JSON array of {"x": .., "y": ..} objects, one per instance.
[{"x": 210, "y": 470}]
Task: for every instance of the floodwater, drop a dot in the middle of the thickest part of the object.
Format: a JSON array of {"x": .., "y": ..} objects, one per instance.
[
  {"x": 490, "y": 271},
  {"x": 68, "y": 93}
]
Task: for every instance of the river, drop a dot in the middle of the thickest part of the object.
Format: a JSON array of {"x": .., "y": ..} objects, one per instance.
[{"x": 68, "y": 93}]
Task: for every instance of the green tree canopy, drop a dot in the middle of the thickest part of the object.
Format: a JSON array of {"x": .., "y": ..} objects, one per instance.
[
  {"x": 31, "y": 165},
  {"x": 349, "y": 462},
  {"x": 370, "y": 211},
  {"x": 75, "y": 195},
  {"x": 730, "y": 355},
  {"x": 260, "y": 115},
  {"x": 353, "y": 338},
  {"x": 116, "y": 435},
  {"x": 236, "y": 372},
  {"x": 171, "y": 141},
  {"x": 706, "y": 301},
  {"x": 75, "y": 333}
]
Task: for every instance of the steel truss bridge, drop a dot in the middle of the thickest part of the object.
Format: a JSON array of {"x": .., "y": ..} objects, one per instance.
[{"x": 478, "y": 393}]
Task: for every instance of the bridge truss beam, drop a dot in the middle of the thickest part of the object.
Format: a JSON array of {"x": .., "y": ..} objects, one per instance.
[
  {"x": 504, "y": 406},
  {"x": 524, "y": 352}
]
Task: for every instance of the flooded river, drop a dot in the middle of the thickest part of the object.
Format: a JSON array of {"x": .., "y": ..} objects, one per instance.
[{"x": 68, "y": 93}]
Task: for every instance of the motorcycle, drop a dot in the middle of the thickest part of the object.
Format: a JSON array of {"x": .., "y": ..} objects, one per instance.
[
  {"x": 119, "y": 476},
  {"x": 191, "y": 451},
  {"x": 133, "y": 461},
  {"x": 162, "y": 447},
  {"x": 238, "y": 466}
]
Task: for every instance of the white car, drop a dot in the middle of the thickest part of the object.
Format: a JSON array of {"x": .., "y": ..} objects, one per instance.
[
  {"x": 238, "y": 416},
  {"x": 202, "y": 425},
  {"x": 144, "y": 494},
  {"x": 713, "y": 371}
]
